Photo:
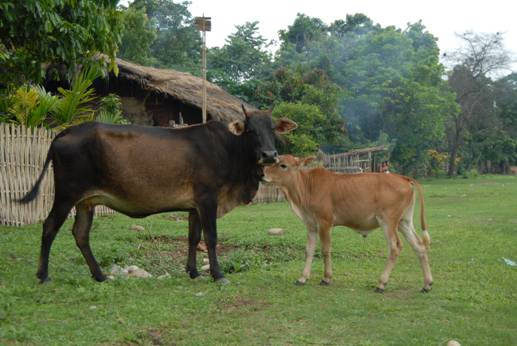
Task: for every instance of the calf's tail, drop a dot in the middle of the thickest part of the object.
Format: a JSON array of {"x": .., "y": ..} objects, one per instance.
[
  {"x": 33, "y": 193},
  {"x": 426, "y": 239}
]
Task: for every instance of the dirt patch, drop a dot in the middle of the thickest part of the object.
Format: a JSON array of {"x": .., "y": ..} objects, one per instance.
[
  {"x": 182, "y": 241},
  {"x": 400, "y": 293},
  {"x": 243, "y": 303}
]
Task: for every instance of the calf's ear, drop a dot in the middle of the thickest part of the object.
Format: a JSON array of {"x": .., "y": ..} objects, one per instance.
[
  {"x": 236, "y": 127},
  {"x": 284, "y": 125},
  {"x": 307, "y": 160}
]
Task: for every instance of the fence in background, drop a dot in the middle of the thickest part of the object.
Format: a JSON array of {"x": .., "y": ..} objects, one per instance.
[
  {"x": 268, "y": 193},
  {"x": 22, "y": 154}
]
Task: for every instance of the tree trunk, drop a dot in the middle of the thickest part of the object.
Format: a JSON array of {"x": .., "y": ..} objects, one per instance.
[{"x": 452, "y": 159}]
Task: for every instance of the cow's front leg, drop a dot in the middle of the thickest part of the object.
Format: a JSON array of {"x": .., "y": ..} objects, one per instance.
[
  {"x": 309, "y": 255},
  {"x": 194, "y": 236},
  {"x": 208, "y": 216}
]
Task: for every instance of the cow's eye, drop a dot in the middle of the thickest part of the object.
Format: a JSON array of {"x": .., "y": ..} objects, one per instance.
[{"x": 283, "y": 166}]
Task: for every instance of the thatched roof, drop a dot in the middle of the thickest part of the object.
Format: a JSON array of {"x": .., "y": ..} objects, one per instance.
[{"x": 185, "y": 88}]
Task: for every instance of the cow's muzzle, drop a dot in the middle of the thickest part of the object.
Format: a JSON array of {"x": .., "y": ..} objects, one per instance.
[{"x": 268, "y": 157}]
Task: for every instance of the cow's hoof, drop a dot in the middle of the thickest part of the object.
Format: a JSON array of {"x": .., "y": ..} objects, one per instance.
[
  {"x": 193, "y": 273},
  {"x": 379, "y": 290},
  {"x": 425, "y": 290},
  {"x": 222, "y": 281},
  {"x": 323, "y": 282},
  {"x": 43, "y": 280},
  {"x": 100, "y": 277},
  {"x": 300, "y": 282}
]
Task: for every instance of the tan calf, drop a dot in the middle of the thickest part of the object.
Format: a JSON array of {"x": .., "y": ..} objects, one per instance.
[{"x": 363, "y": 202}]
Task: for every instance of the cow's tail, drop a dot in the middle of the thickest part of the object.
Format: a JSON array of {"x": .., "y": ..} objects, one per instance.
[
  {"x": 426, "y": 239},
  {"x": 33, "y": 193}
]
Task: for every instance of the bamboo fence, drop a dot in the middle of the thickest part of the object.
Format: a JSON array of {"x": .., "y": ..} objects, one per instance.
[
  {"x": 22, "y": 154},
  {"x": 268, "y": 193}
]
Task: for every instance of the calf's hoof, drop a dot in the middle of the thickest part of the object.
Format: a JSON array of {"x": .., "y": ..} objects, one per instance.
[
  {"x": 426, "y": 289},
  {"x": 222, "y": 281},
  {"x": 379, "y": 290},
  {"x": 324, "y": 282},
  {"x": 300, "y": 282}
]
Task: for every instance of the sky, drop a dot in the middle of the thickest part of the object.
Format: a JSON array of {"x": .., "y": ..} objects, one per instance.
[{"x": 441, "y": 18}]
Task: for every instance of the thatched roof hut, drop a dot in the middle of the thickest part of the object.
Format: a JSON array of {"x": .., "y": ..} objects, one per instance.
[{"x": 156, "y": 96}]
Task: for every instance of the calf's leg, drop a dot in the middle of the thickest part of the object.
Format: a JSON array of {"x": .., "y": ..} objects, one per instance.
[
  {"x": 394, "y": 248},
  {"x": 407, "y": 228},
  {"x": 326, "y": 251},
  {"x": 309, "y": 255},
  {"x": 194, "y": 237},
  {"x": 53, "y": 222},
  {"x": 81, "y": 232}
]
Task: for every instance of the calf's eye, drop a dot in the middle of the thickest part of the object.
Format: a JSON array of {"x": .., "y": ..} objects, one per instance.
[{"x": 283, "y": 166}]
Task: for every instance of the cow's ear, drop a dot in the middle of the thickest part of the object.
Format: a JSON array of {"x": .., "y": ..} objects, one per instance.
[
  {"x": 236, "y": 127},
  {"x": 307, "y": 160},
  {"x": 244, "y": 110},
  {"x": 284, "y": 125}
]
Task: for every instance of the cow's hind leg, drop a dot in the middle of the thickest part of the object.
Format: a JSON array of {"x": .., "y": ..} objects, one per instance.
[
  {"x": 81, "y": 231},
  {"x": 194, "y": 237},
  {"x": 312, "y": 235},
  {"x": 407, "y": 228},
  {"x": 394, "y": 248},
  {"x": 53, "y": 222}
]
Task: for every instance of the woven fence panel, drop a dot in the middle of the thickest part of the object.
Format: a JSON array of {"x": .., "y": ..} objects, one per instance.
[
  {"x": 268, "y": 193},
  {"x": 22, "y": 155}
]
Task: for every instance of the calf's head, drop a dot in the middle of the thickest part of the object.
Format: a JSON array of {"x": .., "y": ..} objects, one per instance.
[
  {"x": 284, "y": 171},
  {"x": 261, "y": 131}
]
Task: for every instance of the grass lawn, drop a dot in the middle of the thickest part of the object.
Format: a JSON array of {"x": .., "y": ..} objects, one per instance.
[{"x": 472, "y": 223}]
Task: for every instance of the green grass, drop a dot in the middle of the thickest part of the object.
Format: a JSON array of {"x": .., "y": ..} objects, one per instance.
[{"x": 472, "y": 223}]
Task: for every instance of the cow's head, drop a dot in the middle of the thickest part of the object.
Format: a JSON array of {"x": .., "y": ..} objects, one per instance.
[
  {"x": 261, "y": 130},
  {"x": 284, "y": 170}
]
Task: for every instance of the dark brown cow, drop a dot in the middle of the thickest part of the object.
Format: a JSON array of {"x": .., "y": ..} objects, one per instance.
[
  {"x": 363, "y": 202},
  {"x": 206, "y": 170}
]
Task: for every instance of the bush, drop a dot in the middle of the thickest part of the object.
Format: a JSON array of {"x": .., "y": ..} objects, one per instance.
[{"x": 110, "y": 110}]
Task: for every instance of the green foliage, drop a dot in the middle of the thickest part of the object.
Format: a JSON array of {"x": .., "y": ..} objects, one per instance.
[
  {"x": 74, "y": 105},
  {"x": 414, "y": 117},
  {"x": 65, "y": 33},
  {"x": 390, "y": 81},
  {"x": 178, "y": 43},
  {"x": 30, "y": 106},
  {"x": 302, "y": 32},
  {"x": 110, "y": 110},
  {"x": 137, "y": 37},
  {"x": 241, "y": 65},
  {"x": 311, "y": 94},
  {"x": 305, "y": 140},
  {"x": 33, "y": 106}
]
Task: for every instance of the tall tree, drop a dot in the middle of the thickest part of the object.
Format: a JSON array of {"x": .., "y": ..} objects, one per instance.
[
  {"x": 302, "y": 32},
  {"x": 35, "y": 34},
  {"x": 241, "y": 64},
  {"x": 480, "y": 56},
  {"x": 138, "y": 35},
  {"x": 178, "y": 42}
]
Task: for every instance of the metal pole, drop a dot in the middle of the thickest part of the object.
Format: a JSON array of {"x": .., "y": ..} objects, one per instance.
[
  {"x": 203, "y": 69},
  {"x": 203, "y": 24}
]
